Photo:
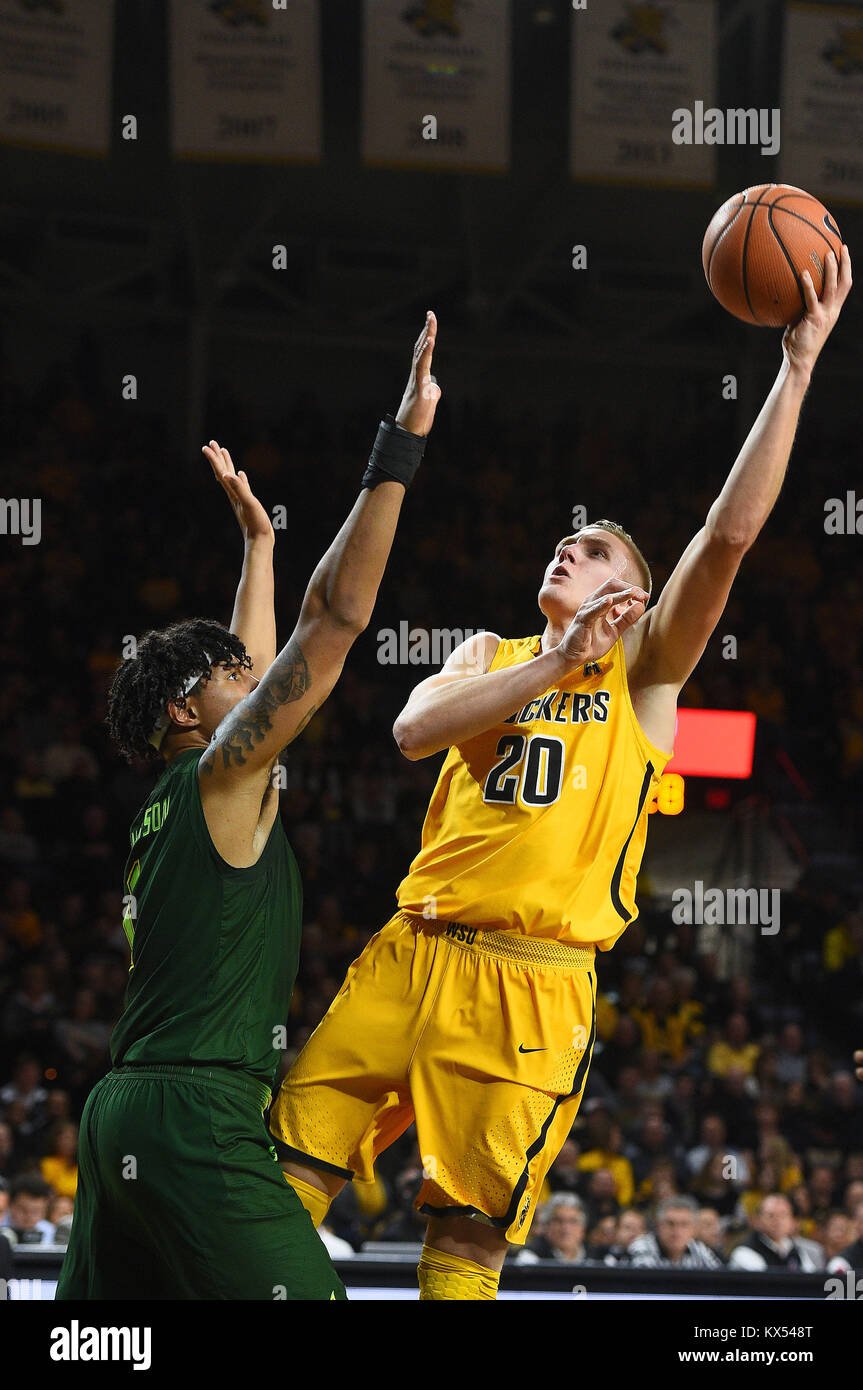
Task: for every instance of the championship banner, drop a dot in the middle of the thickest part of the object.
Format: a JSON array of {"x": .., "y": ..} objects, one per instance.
[
  {"x": 822, "y": 102},
  {"x": 245, "y": 80},
  {"x": 55, "y": 74},
  {"x": 436, "y": 84},
  {"x": 643, "y": 80}
]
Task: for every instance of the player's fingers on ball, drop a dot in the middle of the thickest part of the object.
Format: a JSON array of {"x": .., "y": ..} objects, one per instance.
[
  {"x": 809, "y": 295},
  {"x": 831, "y": 274}
]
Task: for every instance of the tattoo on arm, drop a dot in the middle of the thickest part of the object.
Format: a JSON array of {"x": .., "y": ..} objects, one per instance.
[{"x": 286, "y": 681}]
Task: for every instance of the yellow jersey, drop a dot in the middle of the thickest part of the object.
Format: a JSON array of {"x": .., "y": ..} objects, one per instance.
[{"x": 537, "y": 825}]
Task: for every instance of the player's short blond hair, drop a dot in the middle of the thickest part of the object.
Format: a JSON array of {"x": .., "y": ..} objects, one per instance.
[{"x": 641, "y": 565}]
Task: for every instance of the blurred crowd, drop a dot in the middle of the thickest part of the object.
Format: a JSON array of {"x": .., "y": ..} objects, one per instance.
[{"x": 721, "y": 1120}]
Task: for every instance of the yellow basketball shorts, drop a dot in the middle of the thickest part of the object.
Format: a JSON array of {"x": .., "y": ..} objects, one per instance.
[{"x": 483, "y": 1038}]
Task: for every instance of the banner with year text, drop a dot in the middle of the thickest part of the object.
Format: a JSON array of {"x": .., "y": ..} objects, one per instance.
[
  {"x": 436, "y": 84},
  {"x": 822, "y": 102},
  {"x": 56, "y": 75},
  {"x": 632, "y": 67},
  {"x": 246, "y": 80}
]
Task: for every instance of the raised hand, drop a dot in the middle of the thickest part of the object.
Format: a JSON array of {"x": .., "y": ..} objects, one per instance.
[
  {"x": 422, "y": 393},
  {"x": 802, "y": 342},
  {"x": 602, "y": 617},
  {"x": 254, "y": 522}
]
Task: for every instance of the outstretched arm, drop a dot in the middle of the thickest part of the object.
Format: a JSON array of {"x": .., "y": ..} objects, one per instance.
[
  {"x": 676, "y": 631},
  {"x": 337, "y": 607},
  {"x": 254, "y": 618}
]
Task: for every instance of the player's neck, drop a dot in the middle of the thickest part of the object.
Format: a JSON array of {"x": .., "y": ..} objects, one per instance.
[
  {"x": 173, "y": 746},
  {"x": 554, "y": 633}
]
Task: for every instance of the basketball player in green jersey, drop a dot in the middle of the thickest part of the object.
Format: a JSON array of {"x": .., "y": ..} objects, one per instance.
[{"x": 180, "y": 1194}]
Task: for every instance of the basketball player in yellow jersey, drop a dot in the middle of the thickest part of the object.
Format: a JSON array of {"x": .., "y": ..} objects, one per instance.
[{"x": 473, "y": 1011}]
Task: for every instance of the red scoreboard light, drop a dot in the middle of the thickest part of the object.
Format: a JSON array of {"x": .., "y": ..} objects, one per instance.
[{"x": 713, "y": 743}]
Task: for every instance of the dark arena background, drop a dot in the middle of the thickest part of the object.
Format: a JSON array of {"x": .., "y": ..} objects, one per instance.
[{"x": 227, "y": 220}]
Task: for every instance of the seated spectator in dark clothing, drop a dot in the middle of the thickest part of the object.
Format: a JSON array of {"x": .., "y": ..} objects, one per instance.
[
  {"x": 657, "y": 1187},
  {"x": 836, "y": 1234},
  {"x": 83, "y": 1039},
  {"x": 404, "y": 1222},
  {"x": 839, "y": 1118},
  {"x": 565, "y": 1174},
  {"x": 852, "y": 1256},
  {"x": 28, "y": 1017},
  {"x": 674, "y": 1242},
  {"x": 601, "y": 1194},
  {"x": 714, "y": 1140},
  {"x": 602, "y": 1239},
  {"x": 624, "y": 1050},
  {"x": 734, "y": 1100},
  {"x": 630, "y": 1224},
  {"x": 563, "y": 1228},
  {"x": 6, "y": 1270},
  {"x": 708, "y": 1229},
  {"x": 772, "y": 1244},
  {"x": 790, "y": 1058},
  {"x": 714, "y": 1185},
  {"x": 655, "y": 1141},
  {"x": 824, "y": 1187},
  {"x": 7, "y": 1149},
  {"x": 25, "y": 1222},
  {"x": 797, "y": 1115}
]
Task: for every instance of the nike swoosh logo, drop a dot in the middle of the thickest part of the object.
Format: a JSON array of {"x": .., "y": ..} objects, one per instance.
[{"x": 522, "y": 1048}]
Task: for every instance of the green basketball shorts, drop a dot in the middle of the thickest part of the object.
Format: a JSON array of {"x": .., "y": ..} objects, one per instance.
[{"x": 180, "y": 1195}]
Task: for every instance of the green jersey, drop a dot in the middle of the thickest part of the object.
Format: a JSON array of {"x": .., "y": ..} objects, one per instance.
[{"x": 214, "y": 949}]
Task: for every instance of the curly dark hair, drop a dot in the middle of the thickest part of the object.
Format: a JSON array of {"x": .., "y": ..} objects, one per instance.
[{"x": 144, "y": 684}]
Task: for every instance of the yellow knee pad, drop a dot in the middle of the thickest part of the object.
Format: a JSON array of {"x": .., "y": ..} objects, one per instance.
[{"x": 444, "y": 1276}]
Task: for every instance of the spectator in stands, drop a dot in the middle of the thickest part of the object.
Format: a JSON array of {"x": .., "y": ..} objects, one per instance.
[
  {"x": 7, "y": 1149},
  {"x": 24, "y": 1089},
  {"x": 60, "y": 1165},
  {"x": 823, "y": 1186},
  {"x": 771, "y": 1244},
  {"x": 852, "y": 1197},
  {"x": 837, "y": 1233},
  {"x": 565, "y": 1174},
  {"x": 655, "y": 1141},
  {"x": 563, "y": 1230},
  {"x": 716, "y": 1184},
  {"x": 83, "y": 1039},
  {"x": 601, "y": 1196},
  {"x": 601, "y": 1239},
  {"x": 708, "y": 1229},
  {"x": 734, "y": 1051},
  {"x": 60, "y": 1212},
  {"x": 674, "y": 1242},
  {"x": 839, "y": 1118},
  {"x": 630, "y": 1224},
  {"x": 790, "y": 1061},
  {"x": 714, "y": 1140},
  {"x": 25, "y": 1222},
  {"x": 603, "y": 1144},
  {"x": 29, "y": 1014},
  {"x": 852, "y": 1256}
]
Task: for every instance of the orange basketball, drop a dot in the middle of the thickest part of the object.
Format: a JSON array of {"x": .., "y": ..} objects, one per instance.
[{"x": 757, "y": 246}]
